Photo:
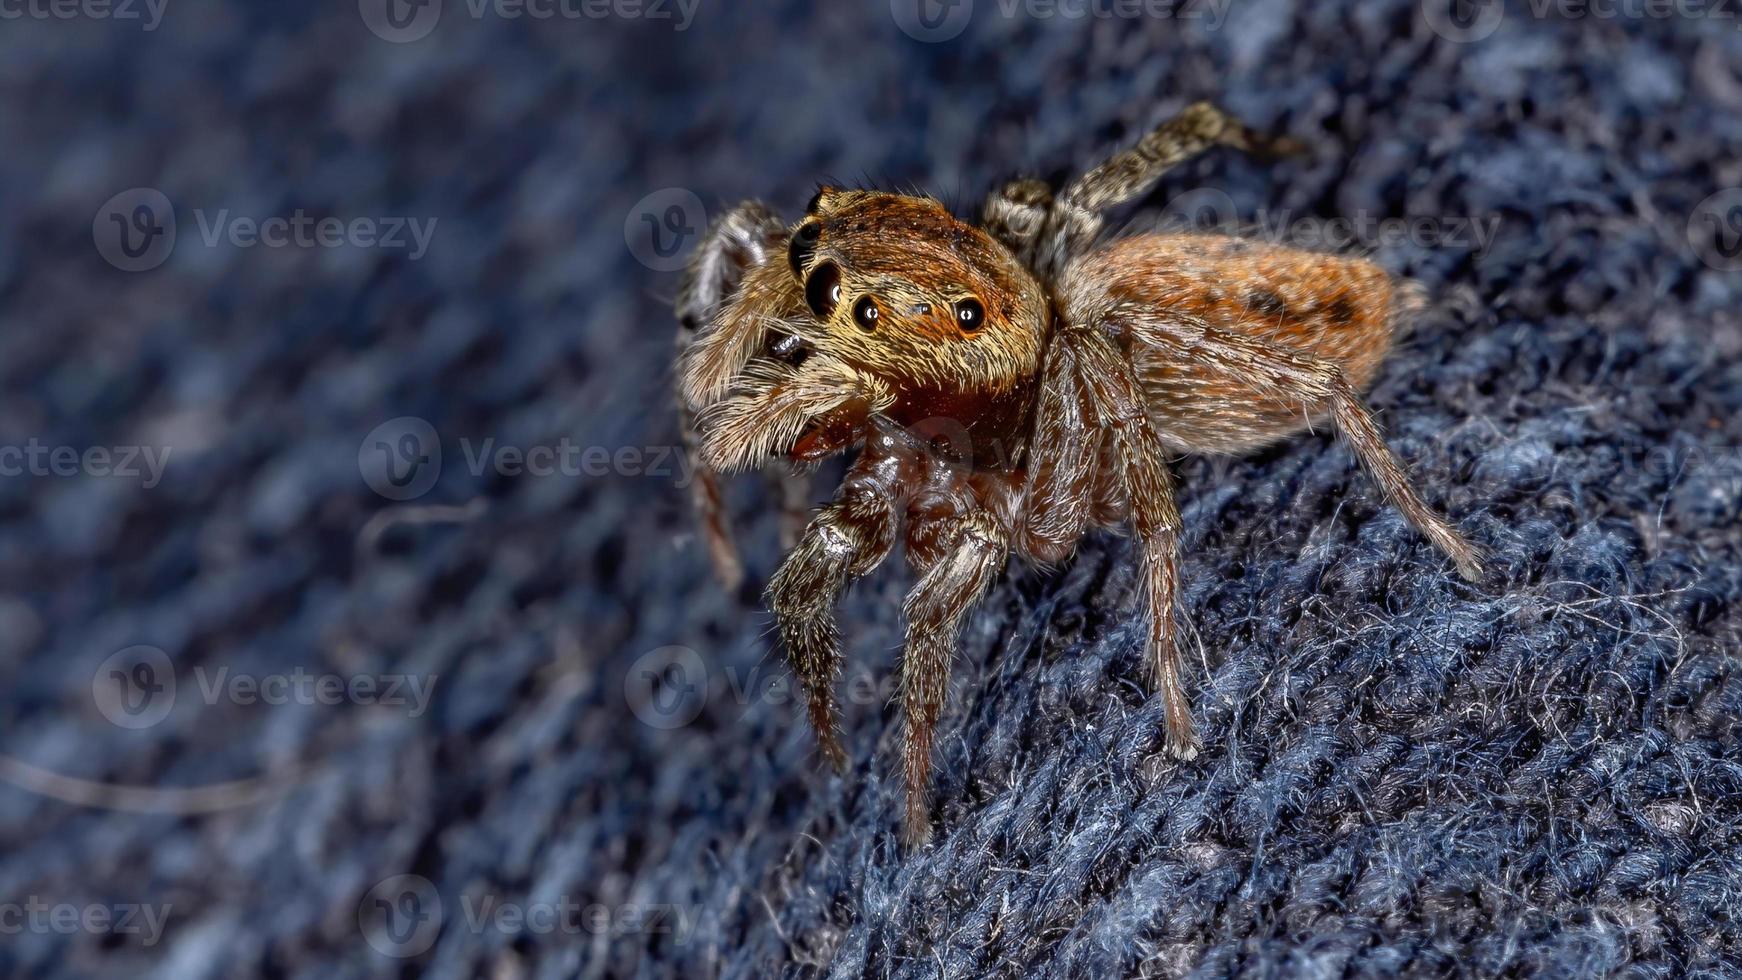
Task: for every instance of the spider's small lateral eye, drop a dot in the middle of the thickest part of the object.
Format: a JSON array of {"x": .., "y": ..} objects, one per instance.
[
  {"x": 970, "y": 315},
  {"x": 865, "y": 313},
  {"x": 789, "y": 349},
  {"x": 823, "y": 290},
  {"x": 804, "y": 242},
  {"x": 815, "y": 200}
]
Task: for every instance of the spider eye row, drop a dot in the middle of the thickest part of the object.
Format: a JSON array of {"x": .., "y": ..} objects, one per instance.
[{"x": 822, "y": 288}]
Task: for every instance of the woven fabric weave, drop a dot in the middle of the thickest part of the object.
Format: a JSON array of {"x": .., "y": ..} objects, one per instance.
[{"x": 1403, "y": 773}]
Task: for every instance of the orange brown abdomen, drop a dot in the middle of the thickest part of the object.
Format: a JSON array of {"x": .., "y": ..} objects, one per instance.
[{"x": 1168, "y": 292}]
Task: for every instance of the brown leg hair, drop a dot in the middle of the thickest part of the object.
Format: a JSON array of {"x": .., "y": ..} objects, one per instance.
[
  {"x": 1064, "y": 454},
  {"x": 957, "y": 558},
  {"x": 1114, "y": 391},
  {"x": 1292, "y": 374},
  {"x": 1046, "y": 231},
  {"x": 845, "y": 540},
  {"x": 738, "y": 241},
  {"x": 1130, "y": 173}
]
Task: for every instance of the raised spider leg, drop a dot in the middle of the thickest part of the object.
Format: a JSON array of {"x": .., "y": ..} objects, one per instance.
[
  {"x": 739, "y": 240},
  {"x": 1045, "y": 231},
  {"x": 1130, "y": 173},
  {"x": 957, "y": 557},
  {"x": 1298, "y": 375},
  {"x": 843, "y": 541},
  {"x": 1113, "y": 389}
]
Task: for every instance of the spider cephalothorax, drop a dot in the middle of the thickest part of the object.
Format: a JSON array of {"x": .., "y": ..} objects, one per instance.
[
  {"x": 884, "y": 305},
  {"x": 1010, "y": 387}
]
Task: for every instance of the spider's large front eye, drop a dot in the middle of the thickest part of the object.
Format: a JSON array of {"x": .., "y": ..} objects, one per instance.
[
  {"x": 970, "y": 315},
  {"x": 804, "y": 242},
  {"x": 865, "y": 313},
  {"x": 823, "y": 290}
]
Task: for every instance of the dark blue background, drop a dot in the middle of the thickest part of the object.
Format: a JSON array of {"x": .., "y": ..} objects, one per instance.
[{"x": 1402, "y": 772}]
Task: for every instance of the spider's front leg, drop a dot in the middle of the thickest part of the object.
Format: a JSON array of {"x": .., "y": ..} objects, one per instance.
[
  {"x": 1064, "y": 453},
  {"x": 741, "y": 239},
  {"x": 844, "y": 541},
  {"x": 957, "y": 555}
]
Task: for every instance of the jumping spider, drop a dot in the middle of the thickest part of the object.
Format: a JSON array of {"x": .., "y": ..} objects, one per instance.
[{"x": 1011, "y": 386}]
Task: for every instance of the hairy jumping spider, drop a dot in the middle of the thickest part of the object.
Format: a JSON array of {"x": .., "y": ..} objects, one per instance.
[{"x": 1011, "y": 386}]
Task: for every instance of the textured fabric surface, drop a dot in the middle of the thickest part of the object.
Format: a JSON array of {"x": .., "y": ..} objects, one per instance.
[{"x": 1403, "y": 773}]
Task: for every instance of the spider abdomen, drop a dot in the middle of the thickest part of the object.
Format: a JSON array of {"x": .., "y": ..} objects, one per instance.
[{"x": 1193, "y": 303}]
